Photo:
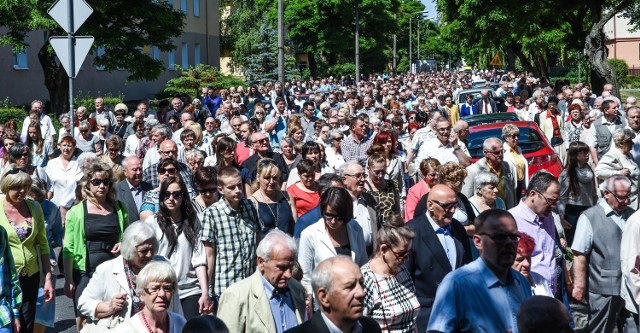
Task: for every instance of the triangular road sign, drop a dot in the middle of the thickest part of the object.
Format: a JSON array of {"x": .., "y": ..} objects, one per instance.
[
  {"x": 496, "y": 60},
  {"x": 80, "y": 51}
]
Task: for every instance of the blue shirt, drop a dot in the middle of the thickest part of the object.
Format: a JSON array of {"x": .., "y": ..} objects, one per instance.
[
  {"x": 472, "y": 299},
  {"x": 306, "y": 220},
  {"x": 278, "y": 132},
  {"x": 284, "y": 314},
  {"x": 446, "y": 240}
]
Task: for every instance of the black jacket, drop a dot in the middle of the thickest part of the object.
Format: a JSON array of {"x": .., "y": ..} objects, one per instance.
[{"x": 316, "y": 325}]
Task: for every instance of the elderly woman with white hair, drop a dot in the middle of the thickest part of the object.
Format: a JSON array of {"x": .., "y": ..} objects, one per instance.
[
  {"x": 111, "y": 296},
  {"x": 513, "y": 155},
  {"x": 619, "y": 161},
  {"x": 156, "y": 285},
  {"x": 485, "y": 193},
  {"x": 536, "y": 106}
]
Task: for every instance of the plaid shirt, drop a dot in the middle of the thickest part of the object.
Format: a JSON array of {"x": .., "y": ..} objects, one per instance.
[
  {"x": 150, "y": 175},
  {"x": 354, "y": 151},
  {"x": 234, "y": 234},
  {"x": 10, "y": 292}
]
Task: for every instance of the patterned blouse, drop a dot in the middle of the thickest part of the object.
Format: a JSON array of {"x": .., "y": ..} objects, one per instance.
[
  {"x": 387, "y": 198},
  {"x": 390, "y": 300}
]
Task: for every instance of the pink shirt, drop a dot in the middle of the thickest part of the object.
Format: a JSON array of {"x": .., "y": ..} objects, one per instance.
[{"x": 413, "y": 196}]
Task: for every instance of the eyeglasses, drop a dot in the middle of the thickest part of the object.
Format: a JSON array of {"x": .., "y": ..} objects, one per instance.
[
  {"x": 24, "y": 155},
  {"x": 501, "y": 238},
  {"x": 84, "y": 131},
  {"x": 549, "y": 201},
  {"x": 15, "y": 171},
  {"x": 175, "y": 194},
  {"x": 170, "y": 171},
  {"x": 263, "y": 140},
  {"x": 114, "y": 150},
  {"x": 514, "y": 136},
  {"x": 444, "y": 129},
  {"x": 358, "y": 175},
  {"x": 208, "y": 190},
  {"x": 97, "y": 182},
  {"x": 402, "y": 255},
  {"x": 446, "y": 206},
  {"x": 620, "y": 199},
  {"x": 378, "y": 172},
  {"x": 165, "y": 152},
  {"x": 499, "y": 152},
  {"x": 156, "y": 289},
  {"x": 330, "y": 217}
]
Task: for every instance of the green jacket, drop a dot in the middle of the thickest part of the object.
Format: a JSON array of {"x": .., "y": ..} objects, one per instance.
[
  {"x": 75, "y": 245},
  {"x": 24, "y": 253}
]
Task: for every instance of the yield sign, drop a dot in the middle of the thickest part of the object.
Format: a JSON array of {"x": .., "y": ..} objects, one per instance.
[
  {"x": 70, "y": 14},
  {"x": 80, "y": 51}
]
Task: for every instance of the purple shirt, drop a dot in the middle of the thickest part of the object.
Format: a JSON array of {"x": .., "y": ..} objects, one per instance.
[{"x": 543, "y": 231}]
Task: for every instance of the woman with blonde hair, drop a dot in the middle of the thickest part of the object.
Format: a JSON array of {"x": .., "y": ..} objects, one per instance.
[
  {"x": 93, "y": 230},
  {"x": 40, "y": 148},
  {"x": 430, "y": 170},
  {"x": 275, "y": 207}
]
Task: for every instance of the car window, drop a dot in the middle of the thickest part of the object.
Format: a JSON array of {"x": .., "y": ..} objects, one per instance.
[{"x": 529, "y": 142}]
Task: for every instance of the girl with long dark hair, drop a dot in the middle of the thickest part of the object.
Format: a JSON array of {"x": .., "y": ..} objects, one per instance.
[
  {"x": 176, "y": 225},
  {"x": 577, "y": 187}
]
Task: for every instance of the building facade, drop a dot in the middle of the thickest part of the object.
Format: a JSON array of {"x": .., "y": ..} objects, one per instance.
[
  {"x": 23, "y": 79},
  {"x": 621, "y": 42}
]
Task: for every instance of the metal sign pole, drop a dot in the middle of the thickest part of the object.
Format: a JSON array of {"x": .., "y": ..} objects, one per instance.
[{"x": 71, "y": 63}]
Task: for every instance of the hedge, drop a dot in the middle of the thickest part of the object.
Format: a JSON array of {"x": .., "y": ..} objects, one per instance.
[{"x": 16, "y": 114}]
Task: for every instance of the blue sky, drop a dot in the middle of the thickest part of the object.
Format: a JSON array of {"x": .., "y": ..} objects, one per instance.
[{"x": 430, "y": 6}]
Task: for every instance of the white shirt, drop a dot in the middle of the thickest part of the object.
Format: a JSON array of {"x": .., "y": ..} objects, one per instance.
[
  {"x": 151, "y": 157},
  {"x": 361, "y": 215},
  {"x": 62, "y": 132},
  {"x": 443, "y": 153},
  {"x": 629, "y": 253},
  {"x": 62, "y": 178},
  {"x": 46, "y": 127},
  {"x": 131, "y": 146}
]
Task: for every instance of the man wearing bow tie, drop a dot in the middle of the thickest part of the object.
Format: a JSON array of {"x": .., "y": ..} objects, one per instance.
[
  {"x": 440, "y": 246},
  {"x": 132, "y": 189}
]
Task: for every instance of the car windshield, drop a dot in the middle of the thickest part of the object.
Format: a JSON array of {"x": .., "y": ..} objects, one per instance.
[{"x": 529, "y": 140}]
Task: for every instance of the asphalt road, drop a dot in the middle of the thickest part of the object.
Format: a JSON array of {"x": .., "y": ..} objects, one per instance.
[{"x": 65, "y": 312}]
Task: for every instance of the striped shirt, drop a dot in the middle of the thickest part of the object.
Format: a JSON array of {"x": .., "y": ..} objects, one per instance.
[
  {"x": 10, "y": 292},
  {"x": 233, "y": 232}
]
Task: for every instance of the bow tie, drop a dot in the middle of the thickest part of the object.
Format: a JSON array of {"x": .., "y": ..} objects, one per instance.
[
  {"x": 136, "y": 189},
  {"x": 444, "y": 231}
]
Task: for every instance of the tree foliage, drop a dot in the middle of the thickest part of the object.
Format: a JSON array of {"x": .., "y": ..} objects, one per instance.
[
  {"x": 193, "y": 78},
  {"x": 122, "y": 27}
]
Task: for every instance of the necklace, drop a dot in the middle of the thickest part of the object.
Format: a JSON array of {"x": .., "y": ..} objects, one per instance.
[
  {"x": 145, "y": 322},
  {"x": 275, "y": 215}
]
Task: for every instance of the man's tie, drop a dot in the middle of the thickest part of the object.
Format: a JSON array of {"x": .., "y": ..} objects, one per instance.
[{"x": 486, "y": 107}]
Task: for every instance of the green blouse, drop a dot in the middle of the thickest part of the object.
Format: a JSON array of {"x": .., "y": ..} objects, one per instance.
[{"x": 24, "y": 253}]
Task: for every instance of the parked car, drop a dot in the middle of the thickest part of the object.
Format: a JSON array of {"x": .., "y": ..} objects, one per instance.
[
  {"x": 535, "y": 146},
  {"x": 496, "y": 117},
  {"x": 461, "y": 96}
]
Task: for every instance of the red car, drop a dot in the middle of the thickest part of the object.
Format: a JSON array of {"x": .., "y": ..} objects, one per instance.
[{"x": 535, "y": 146}]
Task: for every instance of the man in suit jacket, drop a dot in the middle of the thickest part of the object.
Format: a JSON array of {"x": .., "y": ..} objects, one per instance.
[
  {"x": 337, "y": 285},
  {"x": 440, "y": 246},
  {"x": 486, "y": 104},
  {"x": 132, "y": 189},
  {"x": 493, "y": 161},
  {"x": 269, "y": 300}
]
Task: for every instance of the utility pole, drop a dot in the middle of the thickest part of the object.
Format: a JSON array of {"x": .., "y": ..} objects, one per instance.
[
  {"x": 357, "y": 41},
  {"x": 281, "y": 41}
]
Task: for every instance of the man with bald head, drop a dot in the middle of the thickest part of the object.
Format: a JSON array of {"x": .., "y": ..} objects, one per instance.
[
  {"x": 168, "y": 149},
  {"x": 493, "y": 162},
  {"x": 440, "y": 247}
]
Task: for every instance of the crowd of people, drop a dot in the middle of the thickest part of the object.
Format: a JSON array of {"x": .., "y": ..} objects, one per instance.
[{"x": 325, "y": 205}]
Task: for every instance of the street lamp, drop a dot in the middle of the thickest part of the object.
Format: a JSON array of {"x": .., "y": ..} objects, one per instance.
[{"x": 411, "y": 35}]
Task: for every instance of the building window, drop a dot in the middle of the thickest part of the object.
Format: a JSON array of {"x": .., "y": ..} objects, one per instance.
[
  {"x": 196, "y": 54},
  {"x": 185, "y": 56},
  {"x": 183, "y": 6},
  {"x": 156, "y": 53},
  {"x": 20, "y": 60},
  {"x": 196, "y": 8},
  {"x": 100, "y": 53},
  {"x": 172, "y": 60}
]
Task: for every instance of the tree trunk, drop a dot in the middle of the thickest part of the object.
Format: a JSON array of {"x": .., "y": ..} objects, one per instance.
[
  {"x": 524, "y": 61},
  {"x": 56, "y": 81},
  {"x": 597, "y": 52},
  {"x": 313, "y": 65},
  {"x": 541, "y": 66}
]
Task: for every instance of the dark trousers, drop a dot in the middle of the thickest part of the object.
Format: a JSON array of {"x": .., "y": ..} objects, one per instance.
[
  {"x": 29, "y": 286},
  {"x": 190, "y": 306},
  {"x": 608, "y": 312},
  {"x": 423, "y": 318}
]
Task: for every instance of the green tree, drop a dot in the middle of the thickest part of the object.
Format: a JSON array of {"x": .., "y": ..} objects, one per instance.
[
  {"x": 122, "y": 27},
  {"x": 192, "y": 79}
]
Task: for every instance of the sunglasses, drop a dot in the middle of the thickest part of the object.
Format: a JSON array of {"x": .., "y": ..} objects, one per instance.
[
  {"x": 170, "y": 171},
  {"x": 208, "y": 190},
  {"x": 176, "y": 195},
  {"x": 84, "y": 131},
  {"x": 97, "y": 182},
  {"x": 15, "y": 171},
  {"x": 446, "y": 206}
]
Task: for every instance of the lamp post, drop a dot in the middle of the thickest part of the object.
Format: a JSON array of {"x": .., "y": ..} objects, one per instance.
[{"x": 410, "y": 36}]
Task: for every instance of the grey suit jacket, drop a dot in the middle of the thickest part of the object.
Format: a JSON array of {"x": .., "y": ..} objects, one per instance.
[
  {"x": 124, "y": 194},
  {"x": 244, "y": 306},
  {"x": 508, "y": 178}
]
